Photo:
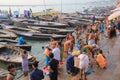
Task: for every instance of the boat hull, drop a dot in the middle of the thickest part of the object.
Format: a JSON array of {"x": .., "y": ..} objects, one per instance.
[
  {"x": 15, "y": 43},
  {"x": 28, "y": 34},
  {"x": 14, "y": 55},
  {"x": 38, "y": 25}
]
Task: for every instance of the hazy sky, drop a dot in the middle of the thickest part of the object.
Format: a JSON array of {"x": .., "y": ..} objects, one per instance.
[{"x": 33, "y": 2}]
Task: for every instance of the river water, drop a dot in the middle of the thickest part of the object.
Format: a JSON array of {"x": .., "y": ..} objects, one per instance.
[{"x": 36, "y": 51}]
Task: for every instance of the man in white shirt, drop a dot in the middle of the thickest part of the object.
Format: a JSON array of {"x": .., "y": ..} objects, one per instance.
[
  {"x": 56, "y": 52},
  {"x": 83, "y": 64}
]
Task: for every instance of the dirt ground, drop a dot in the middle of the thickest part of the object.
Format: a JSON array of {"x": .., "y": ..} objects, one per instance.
[{"x": 111, "y": 49}]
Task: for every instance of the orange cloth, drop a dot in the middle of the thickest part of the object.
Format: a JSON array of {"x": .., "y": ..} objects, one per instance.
[
  {"x": 101, "y": 60},
  {"x": 117, "y": 31},
  {"x": 66, "y": 45}
]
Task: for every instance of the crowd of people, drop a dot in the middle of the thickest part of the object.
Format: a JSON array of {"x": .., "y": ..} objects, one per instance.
[{"x": 88, "y": 52}]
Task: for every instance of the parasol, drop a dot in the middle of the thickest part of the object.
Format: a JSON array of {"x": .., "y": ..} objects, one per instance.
[
  {"x": 114, "y": 15},
  {"x": 116, "y": 9}
]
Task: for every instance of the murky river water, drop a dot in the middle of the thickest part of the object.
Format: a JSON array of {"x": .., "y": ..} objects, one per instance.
[{"x": 36, "y": 50}]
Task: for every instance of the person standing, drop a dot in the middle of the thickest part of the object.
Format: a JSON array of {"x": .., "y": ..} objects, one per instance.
[
  {"x": 53, "y": 67},
  {"x": 53, "y": 42},
  {"x": 71, "y": 37},
  {"x": 36, "y": 73},
  {"x": 66, "y": 46},
  {"x": 83, "y": 64},
  {"x": 56, "y": 52},
  {"x": 93, "y": 20},
  {"x": 60, "y": 43},
  {"x": 11, "y": 69},
  {"x": 46, "y": 53},
  {"x": 102, "y": 26},
  {"x": 25, "y": 67}
]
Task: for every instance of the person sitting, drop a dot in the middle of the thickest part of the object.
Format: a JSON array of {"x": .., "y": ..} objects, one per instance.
[
  {"x": 70, "y": 64},
  {"x": 101, "y": 60},
  {"x": 21, "y": 41}
]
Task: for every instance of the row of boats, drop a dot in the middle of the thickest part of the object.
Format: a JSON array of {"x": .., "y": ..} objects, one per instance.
[
  {"x": 9, "y": 47},
  {"x": 34, "y": 30},
  {"x": 37, "y": 33}
]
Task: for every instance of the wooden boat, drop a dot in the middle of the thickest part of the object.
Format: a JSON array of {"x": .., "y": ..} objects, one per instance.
[
  {"x": 3, "y": 74},
  {"x": 11, "y": 54},
  {"x": 75, "y": 23},
  {"x": 6, "y": 21},
  {"x": 26, "y": 22},
  {"x": 43, "y": 18},
  {"x": 6, "y": 34},
  {"x": 90, "y": 15},
  {"x": 46, "y": 30},
  {"x": 0, "y": 26},
  {"x": 15, "y": 43},
  {"x": 32, "y": 34},
  {"x": 3, "y": 77}
]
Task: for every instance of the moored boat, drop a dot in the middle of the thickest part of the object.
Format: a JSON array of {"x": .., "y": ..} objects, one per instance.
[
  {"x": 46, "y": 30},
  {"x": 11, "y": 54},
  {"x": 27, "y": 22},
  {"x": 15, "y": 43},
  {"x": 75, "y": 23},
  {"x": 6, "y": 34},
  {"x": 32, "y": 34},
  {"x": 39, "y": 36},
  {"x": 3, "y": 74}
]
